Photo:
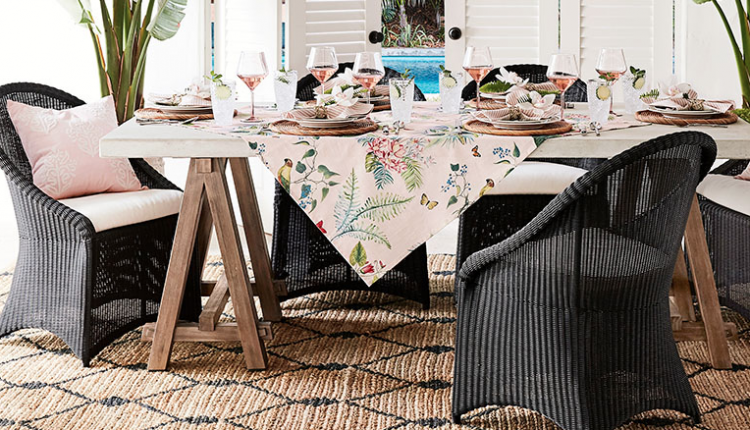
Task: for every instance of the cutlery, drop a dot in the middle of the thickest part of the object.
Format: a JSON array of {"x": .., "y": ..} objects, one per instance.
[{"x": 166, "y": 121}]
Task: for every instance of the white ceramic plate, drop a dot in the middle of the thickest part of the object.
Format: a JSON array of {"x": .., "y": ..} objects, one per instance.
[
  {"x": 683, "y": 113},
  {"x": 326, "y": 123},
  {"x": 523, "y": 125},
  {"x": 497, "y": 96}
]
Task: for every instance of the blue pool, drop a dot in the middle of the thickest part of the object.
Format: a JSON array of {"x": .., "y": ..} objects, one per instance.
[{"x": 424, "y": 69}]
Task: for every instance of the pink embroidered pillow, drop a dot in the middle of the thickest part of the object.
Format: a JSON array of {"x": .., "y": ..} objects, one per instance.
[
  {"x": 63, "y": 149},
  {"x": 745, "y": 174}
]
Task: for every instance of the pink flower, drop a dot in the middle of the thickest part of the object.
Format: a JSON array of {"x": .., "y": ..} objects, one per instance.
[{"x": 390, "y": 152}]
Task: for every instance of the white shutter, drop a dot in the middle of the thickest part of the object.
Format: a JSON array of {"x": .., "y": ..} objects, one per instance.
[
  {"x": 242, "y": 25},
  {"x": 343, "y": 24},
  {"x": 517, "y": 31},
  {"x": 642, "y": 28}
]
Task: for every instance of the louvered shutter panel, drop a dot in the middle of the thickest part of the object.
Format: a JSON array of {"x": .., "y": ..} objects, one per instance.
[
  {"x": 643, "y": 28},
  {"x": 343, "y": 24},
  {"x": 242, "y": 25},
  {"x": 517, "y": 31}
]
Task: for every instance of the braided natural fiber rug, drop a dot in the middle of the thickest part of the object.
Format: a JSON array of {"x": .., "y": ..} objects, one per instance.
[{"x": 356, "y": 361}]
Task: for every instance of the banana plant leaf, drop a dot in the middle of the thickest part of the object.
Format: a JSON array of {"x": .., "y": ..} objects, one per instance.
[{"x": 166, "y": 22}]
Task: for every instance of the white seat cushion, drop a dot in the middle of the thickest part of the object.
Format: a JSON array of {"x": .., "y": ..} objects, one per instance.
[
  {"x": 111, "y": 210},
  {"x": 534, "y": 177},
  {"x": 727, "y": 191}
]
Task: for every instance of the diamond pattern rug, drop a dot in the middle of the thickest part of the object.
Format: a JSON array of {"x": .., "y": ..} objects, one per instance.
[{"x": 343, "y": 360}]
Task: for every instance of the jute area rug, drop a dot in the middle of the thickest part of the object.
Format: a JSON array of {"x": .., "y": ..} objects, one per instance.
[{"x": 339, "y": 361}]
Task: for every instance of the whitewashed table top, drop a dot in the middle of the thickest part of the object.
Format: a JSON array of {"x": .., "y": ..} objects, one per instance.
[{"x": 134, "y": 141}]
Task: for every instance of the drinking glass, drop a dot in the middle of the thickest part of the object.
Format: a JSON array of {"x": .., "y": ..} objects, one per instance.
[
  {"x": 450, "y": 92},
  {"x": 611, "y": 63},
  {"x": 598, "y": 108},
  {"x": 632, "y": 95},
  {"x": 477, "y": 63},
  {"x": 223, "y": 95},
  {"x": 368, "y": 70},
  {"x": 402, "y": 98},
  {"x": 322, "y": 63},
  {"x": 563, "y": 72},
  {"x": 285, "y": 88},
  {"x": 252, "y": 70}
]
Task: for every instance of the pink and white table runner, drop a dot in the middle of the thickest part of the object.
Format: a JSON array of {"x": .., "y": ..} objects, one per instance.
[{"x": 377, "y": 197}]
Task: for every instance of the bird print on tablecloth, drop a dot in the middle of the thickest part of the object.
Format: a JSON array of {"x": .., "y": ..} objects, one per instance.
[
  {"x": 490, "y": 185},
  {"x": 285, "y": 174}
]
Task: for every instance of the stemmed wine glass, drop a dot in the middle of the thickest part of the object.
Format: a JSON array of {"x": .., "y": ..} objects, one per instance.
[
  {"x": 611, "y": 64},
  {"x": 322, "y": 63},
  {"x": 477, "y": 63},
  {"x": 252, "y": 70},
  {"x": 563, "y": 72},
  {"x": 368, "y": 70}
]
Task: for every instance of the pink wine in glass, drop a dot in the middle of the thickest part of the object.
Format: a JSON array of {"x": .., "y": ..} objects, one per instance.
[
  {"x": 323, "y": 73},
  {"x": 368, "y": 80},
  {"x": 478, "y": 73},
  {"x": 252, "y": 81},
  {"x": 612, "y": 76},
  {"x": 562, "y": 82}
]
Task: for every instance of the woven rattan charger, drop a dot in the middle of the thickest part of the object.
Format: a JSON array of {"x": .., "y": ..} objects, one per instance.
[
  {"x": 559, "y": 127},
  {"x": 292, "y": 128},
  {"x": 657, "y": 118},
  {"x": 158, "y": 114}
]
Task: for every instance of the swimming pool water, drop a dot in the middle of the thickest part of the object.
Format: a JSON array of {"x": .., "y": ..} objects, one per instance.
[{"x": 425, "y": 70}]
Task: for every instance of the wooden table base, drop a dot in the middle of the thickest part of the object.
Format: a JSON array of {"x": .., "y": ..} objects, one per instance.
[
  {"x": 207, "y": 203},
  {"x": 711, "y": 328}
]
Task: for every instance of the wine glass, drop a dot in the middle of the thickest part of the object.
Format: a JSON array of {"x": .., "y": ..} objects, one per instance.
[
  {"x": 252, "y": 70},
  {"x": 368, "y": 70},
  {"x": 611, "y": 64},
  {"x": 477, "y": 63},
  {"x": 322, "y": 63},
  {"x": 563, "y": 72}
]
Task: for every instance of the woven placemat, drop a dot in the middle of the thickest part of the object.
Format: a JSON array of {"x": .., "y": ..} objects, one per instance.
[
  {"x": 559, "y": 127},
  {"x": 154, "y": 113},
  {"x": 379, "y": 108},
  {"x": 657, "y": 118},
  {"x": 292, "y": 128}
]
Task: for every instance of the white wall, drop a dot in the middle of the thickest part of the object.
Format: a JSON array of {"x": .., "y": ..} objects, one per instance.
[{"x": 708, "y": 57}]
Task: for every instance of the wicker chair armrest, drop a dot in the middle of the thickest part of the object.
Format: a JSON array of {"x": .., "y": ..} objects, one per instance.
[
  {"x": 47, "y": 218},
  {"x": 150, "y": 177},
  {"x": 477, "y": 261},
  {"x": 731, "y": 168}
]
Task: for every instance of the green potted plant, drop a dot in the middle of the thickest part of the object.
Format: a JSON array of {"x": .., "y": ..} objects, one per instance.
[
  {"x": 741, "y": 53},
  {"x": 127, "y": 28}
]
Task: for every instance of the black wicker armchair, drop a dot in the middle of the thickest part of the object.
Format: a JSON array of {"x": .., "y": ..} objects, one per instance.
[
  {"x": 86, "y": 287},
  {"x": 308, "y": 83},
  {"x": 303, "y": 257},
  {"x": 728, "y": 236},
  {"x": 570, "y": 316}
]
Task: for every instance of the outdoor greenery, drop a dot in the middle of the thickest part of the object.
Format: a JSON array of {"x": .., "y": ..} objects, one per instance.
[
  {"x": 741, "y": 53},
  {"x": 128, "y": 30},
  {"x": 413, "y": 23}
]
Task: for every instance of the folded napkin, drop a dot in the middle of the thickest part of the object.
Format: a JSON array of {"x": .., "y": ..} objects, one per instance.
[
  {"x": 683, "y": 98},
  {"x": 194, "y": 95},
  {"x": 516, "y": 113},
  {"x": 332, "y": 112},
  {"x": 514, "y": 95}
]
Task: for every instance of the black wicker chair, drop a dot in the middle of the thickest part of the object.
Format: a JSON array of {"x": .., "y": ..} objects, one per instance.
[
  {"x": 728, "y": 236},
  {"x": 570, "y": 316},
  {"x": 86, "y": 287},
  {"x": 308, "y": 262},
  {"x": 308, "y": 83}
]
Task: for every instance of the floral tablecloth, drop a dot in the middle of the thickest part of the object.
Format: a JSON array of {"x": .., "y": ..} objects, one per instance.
[{"x": 377, "y": 197}]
